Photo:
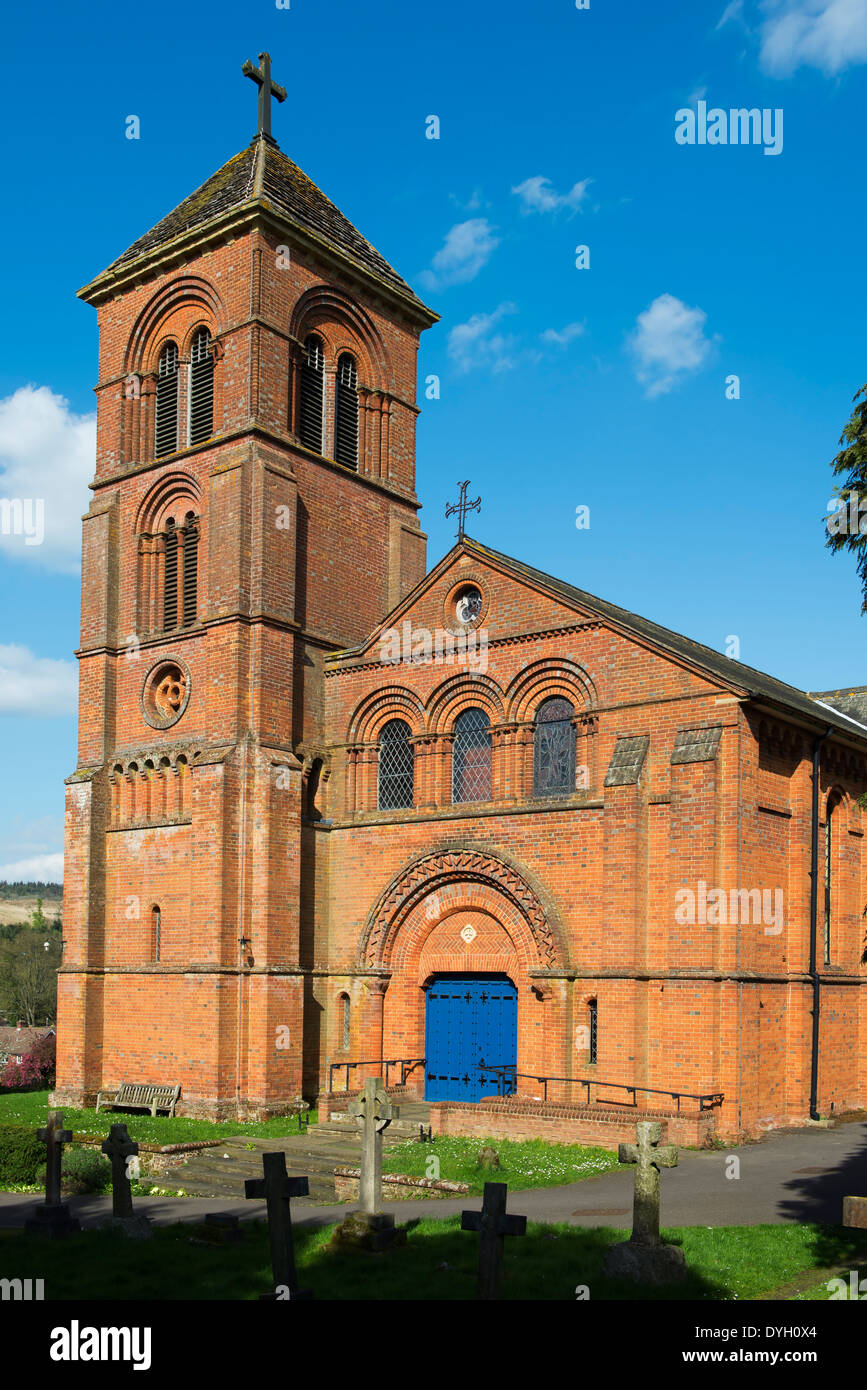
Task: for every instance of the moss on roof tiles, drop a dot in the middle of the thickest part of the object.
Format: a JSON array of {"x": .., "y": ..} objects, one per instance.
[{"x": 262, "y": 175}]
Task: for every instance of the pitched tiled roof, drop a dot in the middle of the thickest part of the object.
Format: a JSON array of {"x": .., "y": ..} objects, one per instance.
[
  {"x": 758, "y": 685},
  {"x": 262, "y": 175},
  {"x": 16, "y": 1042}
]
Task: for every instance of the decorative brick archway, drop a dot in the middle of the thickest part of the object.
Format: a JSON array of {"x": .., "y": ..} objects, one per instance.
[
  {"x": 461, "y": 911},
  {"x": 434, "y": 875}
]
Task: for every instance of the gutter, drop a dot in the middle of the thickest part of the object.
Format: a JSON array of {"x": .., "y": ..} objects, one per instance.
[{"x": 814, "y": 914}]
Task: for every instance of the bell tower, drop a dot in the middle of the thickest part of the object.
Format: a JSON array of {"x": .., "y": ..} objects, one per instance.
[{"x": 254, "y": 509}]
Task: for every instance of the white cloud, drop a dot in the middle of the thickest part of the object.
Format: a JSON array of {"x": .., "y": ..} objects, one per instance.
[
  {"x": 468, "y": 246},
  {"x": 476, "y": 344},
  {"x": 562, "y": 337},
  {"x": 668, "y": 343},
  {"x": 47, "y": 456},
  {"x": 37, "y": 685},
  {"x": 44, "y": 868},
  {"x": 827, "y": 34},
  {"x": 538, "y": 194},
  {"x": 733, "y": 11}
]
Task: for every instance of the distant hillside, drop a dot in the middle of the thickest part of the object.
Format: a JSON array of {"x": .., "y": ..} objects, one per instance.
[
  {"x": 18, "y": 902},
  {"x": 48, "y": 892}
]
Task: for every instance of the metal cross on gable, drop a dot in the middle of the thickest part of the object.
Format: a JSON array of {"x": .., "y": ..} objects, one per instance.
[
  {"x": 461, "y": 507},
  {"x": 267, "y": 89}
]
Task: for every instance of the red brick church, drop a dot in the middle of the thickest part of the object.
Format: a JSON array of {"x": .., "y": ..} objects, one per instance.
[{"x": 334, "y": 807}]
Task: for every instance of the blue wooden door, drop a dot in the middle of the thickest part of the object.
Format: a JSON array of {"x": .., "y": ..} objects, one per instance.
[{"x": 469, "y": 1019}]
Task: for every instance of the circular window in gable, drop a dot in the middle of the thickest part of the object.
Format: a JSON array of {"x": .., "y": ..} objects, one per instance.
[{"x": 165, "y": 693}]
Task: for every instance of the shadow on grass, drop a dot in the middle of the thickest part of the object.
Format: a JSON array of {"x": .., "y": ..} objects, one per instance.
[{"x": 438, "y": 1262}]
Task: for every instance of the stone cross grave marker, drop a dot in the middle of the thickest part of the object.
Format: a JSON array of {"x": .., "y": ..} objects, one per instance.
[
  {"x": 278, "y": 1189},
  {"x": 118, "y": 1147},
  {"x": 121, "y": 1151},
  {"x": 369, "y": 1228},
  {"x": 649, "y": 1157},
  {"x": 373, "y": 1112},
  {"x": 644, "y": 1257},
  {"x": 53, "y": 1217},
  {"x": 493, "y": 1225}
]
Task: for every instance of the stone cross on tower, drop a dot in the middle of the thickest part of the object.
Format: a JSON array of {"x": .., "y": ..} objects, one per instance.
[
  {"x": 461, "y": 507},
  {"x": 278, "y": 1188},
  {"x": 643, "y": 1257},
  {"x": 262, "y": 76},
  {"x": 53, "y": 1218},
  {"x": 493, "y": 1225},
  {"x": 374, "y": 1112}
]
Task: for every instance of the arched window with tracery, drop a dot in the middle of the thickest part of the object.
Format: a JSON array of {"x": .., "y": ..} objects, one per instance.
[
  {"x": 166, "y": 427},
  {"x": 345, "y": 1019},
  {"x": 471, "y": 757},
  {"x": 346, "y": 412},
  {"x": 395, "y": 767},
  {"x": 554, "y": 749},
  {"x": 312, "y": 393},
  {"x": 201, "y": 387}
]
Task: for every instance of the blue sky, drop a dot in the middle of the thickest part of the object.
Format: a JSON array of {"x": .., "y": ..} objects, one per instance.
[{"x": 561, "y": 387}]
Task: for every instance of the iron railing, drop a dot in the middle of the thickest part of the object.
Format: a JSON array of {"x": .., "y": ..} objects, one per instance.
[
  {"x": 507, "y": 1078},
  {"x": 406, "y": 1064}
]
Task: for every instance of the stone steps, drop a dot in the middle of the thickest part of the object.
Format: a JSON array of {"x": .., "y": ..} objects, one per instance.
[{"x": 314, "y": 1154}]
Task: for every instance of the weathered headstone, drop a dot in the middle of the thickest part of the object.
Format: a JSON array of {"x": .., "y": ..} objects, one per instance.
[
  {"x": 278, "y": 1189},
  {"x": 855, "y": 1212},
  {"x": 488, "y": 1158},
  {"x": 493, "y": 1225},
  {"x": 370, "y": 1227},
  {"x": 120, "y": 1149},
  {"x": 644, "y": 1258},
  {"x": 53, "y": 1218}
]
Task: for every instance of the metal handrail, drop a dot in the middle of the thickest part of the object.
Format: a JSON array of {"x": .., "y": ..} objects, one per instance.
[
  {"x": 508, "y": 1075},
  {"x": 406, "y": 1064}
]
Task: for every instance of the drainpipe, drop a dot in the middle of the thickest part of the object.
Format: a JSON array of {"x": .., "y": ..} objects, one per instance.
[{"x": 814, "y": 922}]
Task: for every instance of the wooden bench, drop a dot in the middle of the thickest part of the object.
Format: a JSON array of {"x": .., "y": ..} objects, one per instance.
[{"x": 130, "y": 1097}]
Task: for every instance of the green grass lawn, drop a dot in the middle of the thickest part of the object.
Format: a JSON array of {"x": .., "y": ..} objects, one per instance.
[
  {"x": 821, "y": 1293},
  {"x": 439, "y": 1261},
  {"x": 523, "y": 1163},
  {"x": 31, "y": 1108}
]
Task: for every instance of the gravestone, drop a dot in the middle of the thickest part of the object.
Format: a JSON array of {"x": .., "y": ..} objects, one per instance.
[
  {"x": 370, "y": 1228},
  {"x": 493, "y": 1225},
  {"x": 278, "y": 1189},
  {"x": 120, "y": 1149},
  {"x": 855, "y": 1212},
  {"x": 53, "y": 1218},
  {"x": 644, "y": 1258}
]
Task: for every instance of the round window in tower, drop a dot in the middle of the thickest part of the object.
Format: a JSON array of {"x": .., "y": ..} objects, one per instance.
[{"x": 165, "y": 693}]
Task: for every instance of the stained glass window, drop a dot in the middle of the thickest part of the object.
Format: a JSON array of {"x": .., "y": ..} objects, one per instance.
[{"x": 554, "y": 749}]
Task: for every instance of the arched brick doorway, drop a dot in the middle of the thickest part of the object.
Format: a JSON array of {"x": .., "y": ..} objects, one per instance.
[{"x": 471, "y": 915}]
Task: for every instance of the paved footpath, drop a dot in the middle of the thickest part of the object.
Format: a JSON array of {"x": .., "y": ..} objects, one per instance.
[{"x": 793, "y": 1175}]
